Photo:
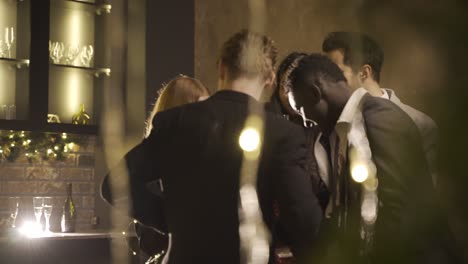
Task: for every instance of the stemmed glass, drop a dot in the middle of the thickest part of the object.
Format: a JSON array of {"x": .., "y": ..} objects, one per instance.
[
  {"x": 71, "y": 54},
  {"x": 9, "y": 39},
  {"x": 47, "y": 207},
  {"x": 13, "y": 206},
  {"x": 87, "y": 55},
  {"x": 2, "y": 49},
  {"x": 56, "y": 50},
  {"x": 38, "y": 203}
]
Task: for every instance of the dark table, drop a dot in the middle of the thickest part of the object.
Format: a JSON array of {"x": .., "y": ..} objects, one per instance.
[{"x": 71, "y": 248}]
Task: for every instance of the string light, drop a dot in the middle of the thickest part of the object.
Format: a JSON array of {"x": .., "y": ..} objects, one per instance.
[{"x": 34, "y": 145}]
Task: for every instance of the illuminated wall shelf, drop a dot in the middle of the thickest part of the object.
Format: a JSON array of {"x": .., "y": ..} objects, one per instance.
[
  {"x": 94, "y": 71},
  {"x": 99, "y": 8},
  {"x": 18, "y": 63},
  {"x": 24, "y": 125}
]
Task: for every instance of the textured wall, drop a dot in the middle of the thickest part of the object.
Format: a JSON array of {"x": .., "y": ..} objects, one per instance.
[
  {"x": 49, "y": 178},
  {"x": 414, "y": 66}
]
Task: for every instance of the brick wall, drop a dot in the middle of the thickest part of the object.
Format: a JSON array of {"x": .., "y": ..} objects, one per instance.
[{"x": 49, "y": 178}]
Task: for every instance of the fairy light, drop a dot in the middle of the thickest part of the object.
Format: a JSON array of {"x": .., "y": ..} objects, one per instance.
[
  {"x": 359, "y": 173},
  {"x": 64, "y": 135},
  {"x": 56, "y": 147},
  {"x": 12, "y": 144},
  {"x": 49, "y": 151},
  {"x": 249, "y": 139}
]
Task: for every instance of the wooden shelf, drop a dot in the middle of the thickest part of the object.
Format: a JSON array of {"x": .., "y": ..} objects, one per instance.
[
  {"x": 94, "y": 71},
  {"x": 25, "y": 125}
]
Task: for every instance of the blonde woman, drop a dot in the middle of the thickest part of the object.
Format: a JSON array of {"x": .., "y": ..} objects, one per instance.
[{"x": 179, "y": 91}]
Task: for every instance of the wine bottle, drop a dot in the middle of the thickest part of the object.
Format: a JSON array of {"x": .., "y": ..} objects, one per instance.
[{"x": 69, "y": 214}]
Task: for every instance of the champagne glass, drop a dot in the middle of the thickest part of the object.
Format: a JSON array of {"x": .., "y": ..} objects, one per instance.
[
  {"x": 47, "y": 208},
  {"x": 71, "y": 54},
  {"x": 56, "y": 50},
  {"x": 9, "y": 39},
  {"x": 86, "y": 56},
  {"x": 38, "y": 205},
  {"x": 2, "y": 49},
  {"x": 13, "y": 206}
]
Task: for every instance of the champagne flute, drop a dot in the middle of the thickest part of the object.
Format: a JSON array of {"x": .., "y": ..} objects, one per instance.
[
  {"x": 47, "y": 207},
  {"x": 13, "y": 205},
  {"x": 87, "y": 55},
  {"x": 38, "y": 205},
  {"x": 71, "y": 53},
  {"x": 9, "y": 39}
]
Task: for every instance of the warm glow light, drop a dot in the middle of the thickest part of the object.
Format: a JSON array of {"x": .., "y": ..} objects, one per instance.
[
  {"x": 49, "y": 151},
  {"x": 75, "y": 31},
  {"x": 359, "y": 173},
  {"x": 369, "y": 208},
  {"x": 56, "y": 147},
  {"x": 249, "y": 139},
  {"x": 73, "y": 94},
  {"x": 71, "y": 145},
  {"x": 31, "y": 229},
  {"x": 64, "y": 135},
  {"x": 123, "y": 233}
]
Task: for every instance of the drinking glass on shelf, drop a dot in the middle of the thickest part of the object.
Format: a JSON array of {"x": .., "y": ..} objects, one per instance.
[
  {"x": 47, "y": 208},
  {"x": 11, "y": 112},
  {"x": 3, "y": 111},
  {"x": 2, "y": 49},
  {"x": 86, "y": 55},
  {"x": 9, "y": 39},
  {"x": 38, "y": 203},
  {"x": 56, "y": 50},
  {"x": 71, "y": 54},
  {"x": 13, "y": 207}
]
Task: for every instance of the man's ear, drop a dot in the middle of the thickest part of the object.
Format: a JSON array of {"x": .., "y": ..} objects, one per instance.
[
  {"x": 315, "y": 92},
  {"x": 365, "y": 72}
]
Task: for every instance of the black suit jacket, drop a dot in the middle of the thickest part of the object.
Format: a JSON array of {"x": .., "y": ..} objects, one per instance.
[
  {"x": 409, "y": 226},
  {"x": 194, "y": 150}
]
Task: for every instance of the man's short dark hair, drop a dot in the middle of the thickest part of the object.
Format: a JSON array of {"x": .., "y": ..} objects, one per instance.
[
  {"x": 312, "y": 69},
  {"x": 358, "y": 49},
  {"x": 248, "y": 54}
]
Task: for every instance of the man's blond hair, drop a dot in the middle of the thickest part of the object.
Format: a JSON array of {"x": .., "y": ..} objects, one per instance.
[{"x": 248, "y": 54}]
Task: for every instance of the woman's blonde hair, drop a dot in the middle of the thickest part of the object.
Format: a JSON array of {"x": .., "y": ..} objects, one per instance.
[{"x": 179, "y": 91}]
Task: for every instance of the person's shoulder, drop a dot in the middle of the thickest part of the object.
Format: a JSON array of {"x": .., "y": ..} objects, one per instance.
[
  {"x": 422, "y": 120},
  {"x": 382, "y": 113},
  {"x": 280, "y": 126}
]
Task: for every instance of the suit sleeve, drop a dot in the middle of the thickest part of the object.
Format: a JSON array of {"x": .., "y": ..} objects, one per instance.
[
  {"x": 139, "y": 167},
  {"x": 300, "y": 213},
  {"x": 405, "y": 185},
  {"x": 430, "y": 139}
]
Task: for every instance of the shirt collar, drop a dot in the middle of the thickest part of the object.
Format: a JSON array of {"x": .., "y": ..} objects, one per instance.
[{"x": 352, "y": 106}]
